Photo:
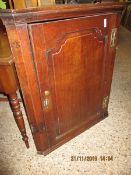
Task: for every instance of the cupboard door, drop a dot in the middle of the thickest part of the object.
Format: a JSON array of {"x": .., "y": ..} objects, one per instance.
[{"x": 69, "y": 56}]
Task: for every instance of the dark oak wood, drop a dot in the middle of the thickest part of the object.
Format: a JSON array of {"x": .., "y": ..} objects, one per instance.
[
  {"x": 9, "y": 84},
  {"x": 64, "y": 57}
]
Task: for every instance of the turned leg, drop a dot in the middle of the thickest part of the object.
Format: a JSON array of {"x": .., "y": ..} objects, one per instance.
[{"x": 15, "y": 106}]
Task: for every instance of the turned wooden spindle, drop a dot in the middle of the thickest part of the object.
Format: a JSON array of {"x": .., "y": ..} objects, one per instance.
[
  {"x": 15, "y": 106},
  {"x": 9, "y": 82}
]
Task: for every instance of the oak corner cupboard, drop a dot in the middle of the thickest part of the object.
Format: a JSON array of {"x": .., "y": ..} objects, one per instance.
[{"x": 64, "y": 57}]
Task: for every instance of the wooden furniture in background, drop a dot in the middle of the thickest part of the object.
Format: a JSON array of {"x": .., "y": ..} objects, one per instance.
[
  {"x": 15, "y": 4},
  {"x": 46, "y": 2},
  {"x": 20, "y": 4},
  {"x": 59, "y": 1},
  {"x": 9, "y": 84},
  {"x": 64, "y": 57}
]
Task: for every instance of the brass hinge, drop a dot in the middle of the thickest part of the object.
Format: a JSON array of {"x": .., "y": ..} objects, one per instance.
[
  {"x": 113, "y": 37},
  {"x": 37, "y": 128},
  {"x": 105, "y": 102}
]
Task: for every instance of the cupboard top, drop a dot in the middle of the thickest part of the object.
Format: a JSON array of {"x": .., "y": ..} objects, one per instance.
[{"x": 57, "y": 12}]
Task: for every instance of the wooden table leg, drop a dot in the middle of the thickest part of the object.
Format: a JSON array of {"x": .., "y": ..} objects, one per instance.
[
  {"x": 5, "y": 99},
  {"x": 15, "y": 106}
]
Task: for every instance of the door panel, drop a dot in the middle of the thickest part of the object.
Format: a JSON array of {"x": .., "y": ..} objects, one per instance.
[
  {"x": 75, "y": 81},
  {"x": 70, "y": 58}
]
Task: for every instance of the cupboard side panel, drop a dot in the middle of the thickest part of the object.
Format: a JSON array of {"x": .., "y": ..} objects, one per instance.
[
  {"x": 110, "y": 60},
  {"x": 20, "y": 46}
]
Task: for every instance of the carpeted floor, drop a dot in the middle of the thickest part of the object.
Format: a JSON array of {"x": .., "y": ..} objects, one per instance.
[{"x": 111, "y": 137}]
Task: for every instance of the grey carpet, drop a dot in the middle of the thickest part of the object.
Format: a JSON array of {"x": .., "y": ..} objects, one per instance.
[{"x": 110, "y": 137}]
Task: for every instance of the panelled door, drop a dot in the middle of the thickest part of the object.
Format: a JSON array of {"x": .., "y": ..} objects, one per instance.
[{"x": 69, "y": 56}]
